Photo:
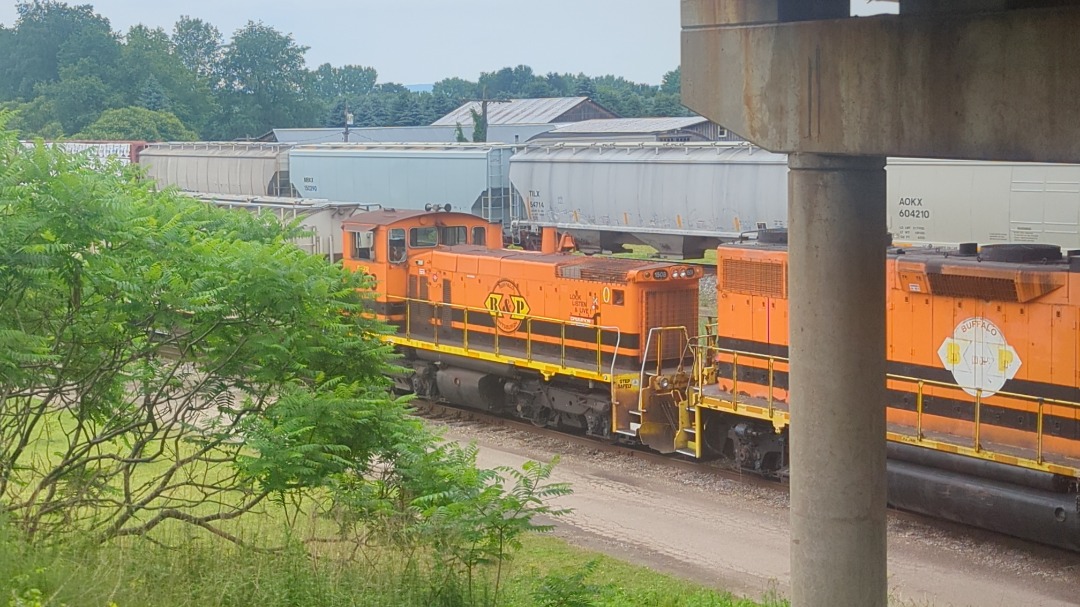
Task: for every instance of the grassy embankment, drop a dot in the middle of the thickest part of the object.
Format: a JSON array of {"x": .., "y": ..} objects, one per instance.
[{"x": 298, "y": 560}]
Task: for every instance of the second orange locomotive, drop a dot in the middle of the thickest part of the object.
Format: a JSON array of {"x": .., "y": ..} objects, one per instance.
[{"x": 553, "y": 338}]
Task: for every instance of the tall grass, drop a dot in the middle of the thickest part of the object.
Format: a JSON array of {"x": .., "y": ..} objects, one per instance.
[{"x": 197, "y": 570}]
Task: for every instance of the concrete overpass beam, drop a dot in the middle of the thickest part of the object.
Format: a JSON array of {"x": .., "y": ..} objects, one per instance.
[{"x": 977, "y": 85}]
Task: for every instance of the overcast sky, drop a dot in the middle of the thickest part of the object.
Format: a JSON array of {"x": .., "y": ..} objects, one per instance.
[{"x": 423, "y": 41}]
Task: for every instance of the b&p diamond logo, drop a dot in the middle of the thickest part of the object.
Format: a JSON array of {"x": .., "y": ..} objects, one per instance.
[{"x": 979, "y": 357}]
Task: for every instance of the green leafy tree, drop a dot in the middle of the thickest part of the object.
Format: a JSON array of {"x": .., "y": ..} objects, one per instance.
[
  {"x": 437, "y": 501},
  {"x": 139, "y": 124},
  {"x": 182, "y": 363},
  {"x": 480, "y": 520},
  {"x": 199, "y": 46},
  {"x": 351, "y": 81},
  {"x": 672, "y": 83},
  {"x": 441, "y": 105},
  {"x": 33, "y": 49},
  {"x": 456, "y": 89},
  {"x": 374, "y": 110},
  {"x": 392, "y": 88},
  {"x": 561, "y": 85},
  {"x": 506, "y": 82},
  {"x": 77, "y": 100},
  {"x": 479, "y": 132},
  {"x": 155, "y": 77},
  {"x": 459, "y": 135},
  {"x": 35, "y": 118},
  {"x": 666, "y": 104},
  {"x": 263, "y": 79}
]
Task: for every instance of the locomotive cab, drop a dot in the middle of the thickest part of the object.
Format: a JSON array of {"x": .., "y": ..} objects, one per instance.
[{"x": 381, "y": 243}]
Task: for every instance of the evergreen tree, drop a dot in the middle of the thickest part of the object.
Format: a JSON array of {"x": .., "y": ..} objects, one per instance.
[
  {"x": 153, "y": 96},
  {"x": 585, "y": 87}
]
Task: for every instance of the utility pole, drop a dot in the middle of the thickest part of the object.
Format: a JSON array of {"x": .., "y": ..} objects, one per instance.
[
  {"x": 348, "y": 120},
  {"x": 484, "y": 101}
]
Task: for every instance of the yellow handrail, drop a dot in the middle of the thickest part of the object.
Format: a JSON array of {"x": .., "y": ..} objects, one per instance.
[
  {"x": 528, "y": 319},
  {"x": 707, "y": 353}
]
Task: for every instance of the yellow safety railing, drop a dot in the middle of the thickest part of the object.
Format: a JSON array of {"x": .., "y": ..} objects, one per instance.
[
  {"x": 656, "y": 337},
  {"x": 706, "y": 351},
  {"x": 1039, "y": 403},
  {"x": 438, "y": 334}
]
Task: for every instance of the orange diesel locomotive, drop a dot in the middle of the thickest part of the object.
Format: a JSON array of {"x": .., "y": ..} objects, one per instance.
[
  {"x": 549, "y": 337},
  {"x": 984, "y": 357}
]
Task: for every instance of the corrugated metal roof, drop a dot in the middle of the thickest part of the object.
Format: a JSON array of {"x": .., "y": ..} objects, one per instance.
[
  {"x": 628, "y": 125},
  {"x": 720, "y": 152},
  {"x": 515, "y": 111},
  {"x": 506, "y": 133},
  {"x": 417, "y": 146},
  {"x": 203, "y": 149}
]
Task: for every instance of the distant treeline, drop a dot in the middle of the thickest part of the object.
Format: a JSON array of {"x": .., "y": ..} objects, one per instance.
[{"x": 66, "y": 73}]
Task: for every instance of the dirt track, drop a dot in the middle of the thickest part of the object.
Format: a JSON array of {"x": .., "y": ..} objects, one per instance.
[{"x": 732, "y": 536}]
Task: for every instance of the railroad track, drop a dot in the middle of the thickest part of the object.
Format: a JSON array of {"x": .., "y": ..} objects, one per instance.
[
  {"x": 723, "y": 471},
  {"x": 438, "y": 411}
]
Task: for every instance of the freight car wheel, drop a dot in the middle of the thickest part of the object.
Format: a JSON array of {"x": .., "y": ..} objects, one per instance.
[{"x": 541, "y": 417}]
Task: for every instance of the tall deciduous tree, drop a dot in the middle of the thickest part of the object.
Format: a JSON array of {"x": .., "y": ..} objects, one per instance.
[
  {"x": 457, "y": 89},
  {"x": 264, "y": 76},
  {"x": 199, "y": 47},
  {"x": 349, "y": 81},
  {"x": 32, "y": 51},
  {"x": 672, "y": 82},
  {"x": 155, "y": 77}
]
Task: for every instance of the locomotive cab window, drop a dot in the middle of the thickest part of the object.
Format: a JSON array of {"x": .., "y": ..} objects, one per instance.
[
  {"x": 452, "y": 235},
  {"x": 479, "y": 236},
  {"x": 397, "y": 245},
  {"x": 363, "y": 245},
  {"x": 422, "y": 238},
  {"x": 618, "y": 297}
]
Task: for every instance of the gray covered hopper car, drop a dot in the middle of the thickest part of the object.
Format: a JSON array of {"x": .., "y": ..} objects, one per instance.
[
  {"x": 678, "y": 198},
  {"x": 685, "y": 198},
  {"x": 471, "y": 178},
  {"x": 234, "y": 168}
]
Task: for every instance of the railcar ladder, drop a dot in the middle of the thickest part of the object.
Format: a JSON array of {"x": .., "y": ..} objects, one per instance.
[{"x": 688, "y": 433}]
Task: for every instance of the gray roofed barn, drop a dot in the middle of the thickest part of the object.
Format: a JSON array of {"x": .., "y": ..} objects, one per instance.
[
  {"x": 671, "y": 129},
  {"x": 529, "y": 111}
]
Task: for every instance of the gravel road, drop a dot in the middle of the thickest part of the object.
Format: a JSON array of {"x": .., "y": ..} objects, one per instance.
[{"x": 734, "y": 536}]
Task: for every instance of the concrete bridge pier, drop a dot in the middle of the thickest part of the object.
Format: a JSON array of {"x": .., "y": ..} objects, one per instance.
[{"x": 836, "y": 294}]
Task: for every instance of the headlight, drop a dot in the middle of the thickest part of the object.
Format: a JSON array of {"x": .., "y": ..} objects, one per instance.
[{"x": 689, "y": 272}]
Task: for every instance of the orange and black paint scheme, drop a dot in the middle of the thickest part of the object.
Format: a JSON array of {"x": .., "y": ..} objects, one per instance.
[
  {"x": 551, "y": 337},
  {"x": 983, "y": 350}
]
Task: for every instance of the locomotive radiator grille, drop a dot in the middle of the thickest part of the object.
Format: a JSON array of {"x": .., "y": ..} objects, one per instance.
[
  {"x": 755, "y": 277},
  {"x": 982, "y": 287},
  {"x": 671, "y": 308},
  {"x": 609, "y": 269}
]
